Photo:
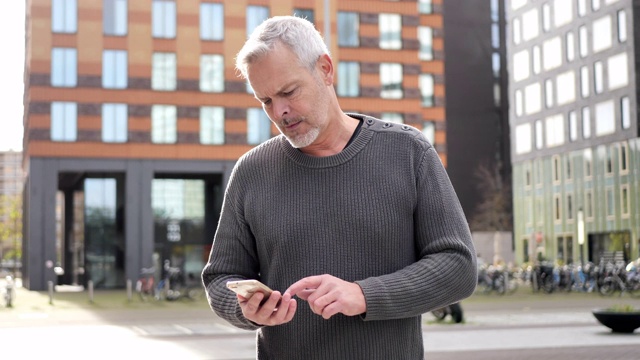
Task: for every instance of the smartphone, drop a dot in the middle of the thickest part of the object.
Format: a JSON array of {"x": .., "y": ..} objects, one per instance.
[{"x": 246, "y": 288}]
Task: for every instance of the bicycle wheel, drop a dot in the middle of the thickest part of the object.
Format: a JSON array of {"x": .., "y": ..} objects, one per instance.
[
  {"x": 633, "y": 288},
  {"x": 456, "y": 313},
  {"x": 607, "y": 288},
  {"x": 440, "y": 314}
]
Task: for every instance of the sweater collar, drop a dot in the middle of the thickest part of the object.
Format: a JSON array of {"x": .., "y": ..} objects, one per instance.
[{"x": 359, "y": 142}]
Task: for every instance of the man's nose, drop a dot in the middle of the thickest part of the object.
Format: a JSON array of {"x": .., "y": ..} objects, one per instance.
[{"x": 281, "y": 107}]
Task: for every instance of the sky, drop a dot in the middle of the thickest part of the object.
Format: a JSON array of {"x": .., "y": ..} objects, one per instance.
[{"x": 11, "y": 73}]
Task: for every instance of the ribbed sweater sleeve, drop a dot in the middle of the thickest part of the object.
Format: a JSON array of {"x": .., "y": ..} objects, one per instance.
[{"x": 382, "y": 213}]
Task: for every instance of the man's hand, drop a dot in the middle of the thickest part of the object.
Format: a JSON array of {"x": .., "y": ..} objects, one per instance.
[
  {"x": 276, "y": 310},
  {"x": 328, "y": 295}
]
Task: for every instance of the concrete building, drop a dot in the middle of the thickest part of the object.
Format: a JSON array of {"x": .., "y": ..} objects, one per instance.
[
  {"x": 134, "y": 117},
  {"x": 573, "y": 87}
]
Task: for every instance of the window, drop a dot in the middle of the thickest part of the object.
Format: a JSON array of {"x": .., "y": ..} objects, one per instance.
[
  {"x": 425, "y": 7},
  {"x": 548, "y": 93},
  {"x": 598, "y": 77},
  {"x": 602, "y": 34},
  {"x": 163, "y": 19},
  {"x": 624, "y": 200},
  {"x": 212, "y": 125},
  {"x": 539, "y": 134},
  {"x": 64, "y": 67},
  {"x": 583, "y": 41},
  {"x": 348, "y": 29},
  {"x": 114, "y": 123},
  {"x": 546, "y": 17},
  {"x": 618, "y": 71},
  {"x": 427, "y": 90},
  {"x": 523, "y": 138},
  {"x": 64, "y": 16},
  {"x": 429, "y": 131},
  {"x": 537, "y": 59},
  {"x": 392, "y": 117},
  {"x": 610, "y": 203},
  {"x": 622, "y": 26},
  {"x": 255, "y": 16},
  {"x": 348, "y": 78},
  {"x": 519, "y": 103},
  {"x": 552, "y": 53},
  {"x": 305, "y": 14},
  {"x": 588, "y": 163},
  {"x": 64, "y": 121},
  {"x": 605, "y": 119},
  {"x": 556, "y": 169},
  {"x": 530, "y": 25},
  {"x": 557, "y": 208},
  {"x": 569, "y": 212},
  {"x": 391, "y": 80},
  {"x": 425, "y": 35},
  {"x": 608, "y": 160},
  {"x": 521, "y": 65},
  {"x": 573, "y": 126},
  {"x": 517, "y": 32},
  {"x": 211, "y": 21},
  {"x": 570, "y": 46},
  {"x": 114, "y": 17},
  {"x": 623, "y": 157},
  {"x": 495, "y": 36},
  {"x": 211, "y": 73},
  {"x": 495, "y": 64},
  {"x": 390, "y": 26},
  {"x": 584, "y": 82},
  {"x": 582, "y": 7},
  {"x": 258, "y": 126},
  {"x": 567, "y": 82},
  {"x": 588, "y": 202},
  {"x": 554, "y": 127},
  {"x": 586, "y": 122},
  {"x": 163, "y": 76},
  {"x": 527, "y": 175},
  {"x": 533, "y": 98},
  {"x": 163, "y": 124},
  {"x": 562, "y": 12},
  {"x": 625, "y": 112},
  {"x": 595, "y": 5},
  {"x": 114, "y": 69}
]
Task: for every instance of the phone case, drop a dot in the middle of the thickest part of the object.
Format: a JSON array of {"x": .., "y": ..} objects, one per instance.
[{"x": 246, "y": 288}]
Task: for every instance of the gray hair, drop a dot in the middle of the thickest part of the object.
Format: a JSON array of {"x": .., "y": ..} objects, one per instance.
[{"x": 296, "y": 33}]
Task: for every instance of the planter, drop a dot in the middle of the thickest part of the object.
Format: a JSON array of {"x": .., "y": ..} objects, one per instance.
[{"x": 618, "y": 321}]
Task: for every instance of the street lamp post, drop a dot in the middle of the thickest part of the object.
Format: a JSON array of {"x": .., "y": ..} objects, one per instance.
[{"x": 581, "y": 235}]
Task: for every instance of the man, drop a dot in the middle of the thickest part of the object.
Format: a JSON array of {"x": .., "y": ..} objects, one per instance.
[{"x": 353, "y": 216}]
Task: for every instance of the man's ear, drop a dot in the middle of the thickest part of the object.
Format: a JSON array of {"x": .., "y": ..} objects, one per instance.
[{"x": 325, "y": 66}]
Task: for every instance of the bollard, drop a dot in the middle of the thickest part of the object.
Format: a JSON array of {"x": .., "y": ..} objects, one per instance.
[
  {"x": 50, "y": 286},
  {"x": 90, "y": 286},
  {"x": 129, "y": 290}
]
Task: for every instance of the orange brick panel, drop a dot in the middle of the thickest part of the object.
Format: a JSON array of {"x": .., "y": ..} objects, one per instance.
[
  {"x": 377, "y": 55},
  {"x": 139, "y": 124},
  {"x": 397, "y": 7},
  {"x": 432, "y": 67},
  {"x": 188, "y": 125},
  {"x": 438, "y": 44},
  {"x": 164, "y": 45},
  {"x": 433, "y": 20},
  {"x": 211, "y": 47},
  {"x": 89, "y": 123},
  {"x": 38, "y": 121},
  {"x": 235, "y": 126},
  {"x": 434, "y": 113},
  {"x": 86, "y": 14},
  {"x": 64, "y": 40},
  {"x": 369, "y": 30},
  {"x": 115, "y": 42}
]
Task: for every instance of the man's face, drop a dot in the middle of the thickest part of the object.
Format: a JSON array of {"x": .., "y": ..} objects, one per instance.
[{"x": 294, "y": 98}]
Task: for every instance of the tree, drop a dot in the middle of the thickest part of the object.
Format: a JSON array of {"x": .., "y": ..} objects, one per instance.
[
  {"x": 494, "y": 210},
  {"x": 10, "y": 227}
]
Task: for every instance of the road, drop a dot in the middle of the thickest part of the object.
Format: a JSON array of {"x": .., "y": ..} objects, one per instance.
[{"x": 557, "y": 326}]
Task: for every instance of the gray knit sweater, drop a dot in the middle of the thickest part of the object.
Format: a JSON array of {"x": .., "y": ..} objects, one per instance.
[{"x": 381, "y": 213}]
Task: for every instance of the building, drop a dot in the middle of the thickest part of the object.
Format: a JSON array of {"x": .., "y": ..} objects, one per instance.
[
  {"x": 574, "y": 125},
  {"x": 134, "y": 117},
  {"x": 11, "y": 183},
  {"x": 477, "y": 103}
]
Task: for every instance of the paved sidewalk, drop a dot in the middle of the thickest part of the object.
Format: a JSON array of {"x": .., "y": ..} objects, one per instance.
[{"x": 523, "y": 326}]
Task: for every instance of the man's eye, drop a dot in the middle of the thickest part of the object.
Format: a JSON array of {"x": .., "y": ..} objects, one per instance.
[{"x": 266, "y": 102}]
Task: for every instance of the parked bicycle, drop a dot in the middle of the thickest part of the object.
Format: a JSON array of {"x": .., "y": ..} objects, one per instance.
[
  {"x": 453, "y": 310},
  {"x": 619, "y": 279},
  {"x": 145, "y": 284},
  {"x": 174, "y": 286},
  {"x": 497, "y": 279}
]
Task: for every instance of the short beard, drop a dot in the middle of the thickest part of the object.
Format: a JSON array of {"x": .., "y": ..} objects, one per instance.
[{"x": 304, "y": 140}]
